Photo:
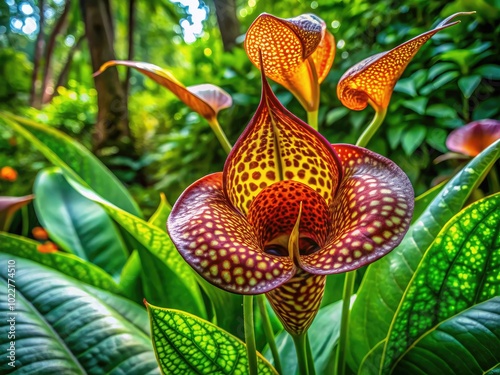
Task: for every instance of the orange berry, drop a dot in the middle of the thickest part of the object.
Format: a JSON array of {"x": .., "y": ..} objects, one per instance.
[
  {"x": 40, "y": 234},
  {"x": 8, "y": 174}
]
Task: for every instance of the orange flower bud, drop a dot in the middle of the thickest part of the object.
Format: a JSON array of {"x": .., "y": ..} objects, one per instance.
[
  {"x": 40, "y": 234},
  {"x": 47, "y": 247},
  {"x": 8, "y": 174}
]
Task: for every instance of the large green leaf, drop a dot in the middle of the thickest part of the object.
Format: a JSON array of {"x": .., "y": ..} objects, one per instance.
[
  {"x": 77, "y": 224},
  {"x": 66, "y": 153},
  {"x": 67, "y": 264},
  {"x": 66, "y": 327},
  {"x": 180, "y": 278},
  {"x": 323, "y": 335},
  {"x": 386, "y": 280},
  {"x": 186, "y": 344},
  {"x": 459, "y": 270},
  {"x": 468, "y": 343}
]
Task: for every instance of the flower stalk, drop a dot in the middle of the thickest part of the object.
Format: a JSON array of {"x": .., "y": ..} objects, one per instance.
[
  {"x": 250, "y": 334},
  {"x": 350, "y": 277},
  {"x": 372, "y": 128},
  {"x": 268, "y": 331}
]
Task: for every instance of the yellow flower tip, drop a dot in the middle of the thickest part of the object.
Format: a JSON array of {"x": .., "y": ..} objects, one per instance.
[{"x": 372, "y": 80}]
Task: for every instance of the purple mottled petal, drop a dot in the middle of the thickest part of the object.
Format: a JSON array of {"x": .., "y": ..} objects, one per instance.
[
  {"x": 371, "y": 215},
  {"x": 219, "y": 243}
]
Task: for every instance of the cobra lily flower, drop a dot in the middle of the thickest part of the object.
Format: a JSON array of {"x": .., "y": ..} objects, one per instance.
[
  {"x": 9, "y": 206},
  {"x": 206, "y": 99},
  {"x": 372, "y": 80},
  {"x": 297, "y": 53},
  {"x": 287, "y": 210},
  {"x": 474, "y": 137}
]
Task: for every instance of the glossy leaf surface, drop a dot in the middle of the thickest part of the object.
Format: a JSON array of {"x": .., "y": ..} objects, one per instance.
[
  {"x": 466, "y": 343},
  {"x": 157, "y": 242},
  {"x": 459, "y": 270},
  {"x": 385, "y": 281},
  {"x": 187, "y": 344},
  {"x": 67, "y": 264},
  {"x": 296, "y": 52},
  {"x": 373, "y": 79},
  {"x": 9, "y": 206},
  {"x": 66, "y": 327},
  {"x": 66, "y": 153},
  {"x": 206, "y": 100},
  {"x": 77, "y": 224}
]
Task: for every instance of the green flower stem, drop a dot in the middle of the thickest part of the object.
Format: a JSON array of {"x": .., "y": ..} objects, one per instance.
[
  {"x": 373, "y": 127},
  {"x": 26, "y": 223},
  {"x": 312, "y": 119},
  {"x": 268, "y": 331},
  {"x": 310, "y": 358},
  {"x": 221, "y": 136},
  {"x": 350, "y": 277},
  {"x": 250, "y": 334},
  {"x": 300, "y": 342}
]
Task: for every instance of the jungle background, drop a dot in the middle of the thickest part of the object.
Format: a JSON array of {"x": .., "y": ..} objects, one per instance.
[{"x": 49, "y": 50}]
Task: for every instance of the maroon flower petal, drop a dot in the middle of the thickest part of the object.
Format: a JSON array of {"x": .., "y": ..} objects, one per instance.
[
  {"x": 474, "y": 137},
  {"x": 278, "y": 146},
  {"x": 297, "y": 301},
  {"x": 372, "y": 213},
  {"x": 220, "y": 244}
]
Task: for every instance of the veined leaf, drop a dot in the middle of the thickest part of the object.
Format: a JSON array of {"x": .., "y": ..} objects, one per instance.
[
  {"x": 467, "y": 343},
  {"x": 160, "y": 216},
  {"x": 385, "y": 280},
  {"x": 67, "y": 264},
  {"x": 66, "y": 153},
  {"x": 77, "y": 224},
  {"x": 187, "y": 344},
  {"x": 423, "y": 200},
  {"x": 65, "y": 327},
  {"x": 181, "y": 278},
  {"x": 459, "y": 270}
]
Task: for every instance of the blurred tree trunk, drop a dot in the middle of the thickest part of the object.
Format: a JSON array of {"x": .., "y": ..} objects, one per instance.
[
  {"x": 37, "y": 57},
  {"x": 112, "y": 128},
  {"x": 229, "y": 25},
  {"x": 47, "y": 90},
  {"x": 131, "y": 32}
]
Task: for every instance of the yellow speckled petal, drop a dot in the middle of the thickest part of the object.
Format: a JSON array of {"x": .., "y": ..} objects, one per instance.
[
  {"x": 207, "y": 99},
  {"x": 219, "y": 243},
  {"x": 278, "y": 146},
  {"x": 372, "y": 213},
  {"x": 373, "y": 79},
  {"x": 324, "y": 55},
  {"x": 297, "y": 301},
  {"x": 285, "y": 45}
]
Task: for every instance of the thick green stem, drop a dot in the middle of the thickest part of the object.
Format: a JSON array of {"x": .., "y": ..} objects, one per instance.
[
  {"x": 312, "y": 119},
  {"x": 350, "y": 277},
  {"x": 250, "y": 335},
  {"x": 25, "y": 216},
  {"x": 300, "y": 342},
  {"x": 268, "y": 331},
  {"x": 373, "y": 127},
  {"x": 310, "y": 358},
  {"x": 221, "y": 136}
]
